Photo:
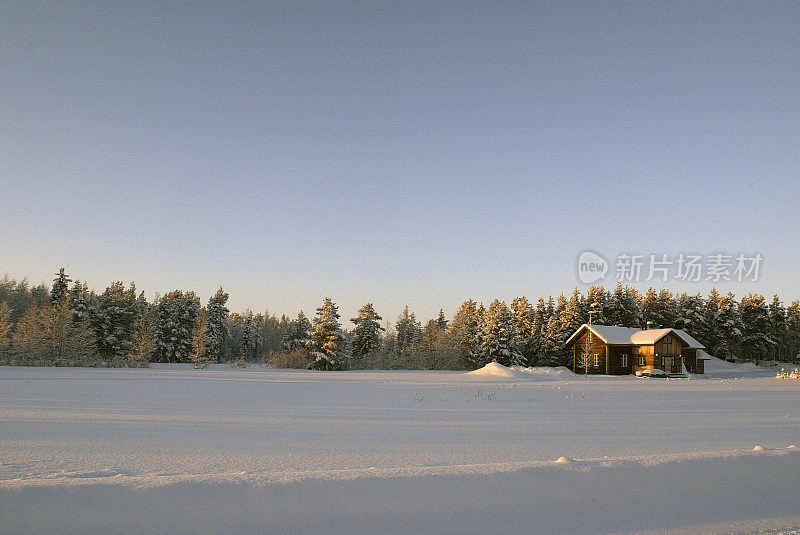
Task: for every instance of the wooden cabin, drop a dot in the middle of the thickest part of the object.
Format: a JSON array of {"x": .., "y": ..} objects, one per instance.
[{"x": 612, "y": 350}]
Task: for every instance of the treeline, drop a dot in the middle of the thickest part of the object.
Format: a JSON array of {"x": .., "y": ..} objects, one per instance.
[{"x": 69, "y": 325}]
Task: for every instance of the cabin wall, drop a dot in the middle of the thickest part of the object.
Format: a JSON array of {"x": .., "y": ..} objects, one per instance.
[
  {"x": 615, "y": 354},
  {"x": 654, "y": 354},
  {"x": 598, "y": 347},
  {"x": 649, "y": 358},
  {"x": 690, "y": 359}
]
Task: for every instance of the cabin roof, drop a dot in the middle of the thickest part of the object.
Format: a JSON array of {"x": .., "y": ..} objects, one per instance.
[
  {"x": 613, "y": 335},
  {"x": 651, "y": 336},
  {"x": 610, "y": 334}
]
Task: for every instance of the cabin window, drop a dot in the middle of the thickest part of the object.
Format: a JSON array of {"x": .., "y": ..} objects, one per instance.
[
  {"x": 668, "y": 342},
  {"x": 596, "y": 361},
  {"x": 641, "y": 360},
  {"x": 623, "y": 361}
]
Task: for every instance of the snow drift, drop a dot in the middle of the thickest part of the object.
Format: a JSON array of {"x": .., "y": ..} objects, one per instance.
[{"x": 493, "y": 370}]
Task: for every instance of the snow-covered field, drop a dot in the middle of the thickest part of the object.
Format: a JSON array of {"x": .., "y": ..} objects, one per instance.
[{"x": 175, "y": 450}]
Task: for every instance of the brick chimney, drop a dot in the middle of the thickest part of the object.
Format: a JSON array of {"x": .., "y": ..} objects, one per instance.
[{"x": 649, "y": 325}]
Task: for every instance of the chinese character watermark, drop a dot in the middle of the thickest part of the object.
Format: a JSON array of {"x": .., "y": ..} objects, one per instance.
[{"x": 684, "y": 267}]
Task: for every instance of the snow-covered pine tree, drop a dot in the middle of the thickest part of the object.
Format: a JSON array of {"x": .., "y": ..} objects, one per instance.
[
  {"x": 5, "y": 331},
  {"x": 297, "y": 332},
  {"x": 80, "y": 301},
  {"x": 623, "y": 308},
  {"x": 174, "y": 320},
  {"x": 710, "y": 335},
  {"x": 81, "y": 347},
  {"x": 60, "y": 287},
  {"x": 756, "y": 342},
  {"x": 113, "y": 319},
  {"x": 248, "y": 337},
  {"x": 441, "y": 321},
  {"x": 793, "y": 331},
  {"x": 728, "y": 325},
  {"x": 572, "y": 317},
  {"x": 366, "y": 335},
  {"x": 464, "y": 333},
  {"x": 143, "y": 336},
  {"x": 500, "y": 340},
  {"x": 201, "y": 339},
  {"x": 523, "y": 319},
  {"x": 550, "y": 350},
  {"x": 540, "y": 319},
  {"x": 217, "y": 314},
  {"x": 597, "y": 301},
  {"x": 777, "y": 329},
  {"x": 690, "y": 314},
  {"x": 409, "y": 332},
  {"x": 326, "y": 338}
]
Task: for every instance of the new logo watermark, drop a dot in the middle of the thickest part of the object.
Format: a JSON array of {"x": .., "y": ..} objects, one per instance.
[
  {"x": 591, "y": 267},
  {"x": 684, "y": 267}
]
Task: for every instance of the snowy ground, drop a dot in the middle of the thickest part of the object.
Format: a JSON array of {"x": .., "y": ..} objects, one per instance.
[{"x": 172, "y": 449}]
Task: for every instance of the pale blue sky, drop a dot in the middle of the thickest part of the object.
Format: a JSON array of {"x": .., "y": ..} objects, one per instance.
[{"x": 417, "y": 153}]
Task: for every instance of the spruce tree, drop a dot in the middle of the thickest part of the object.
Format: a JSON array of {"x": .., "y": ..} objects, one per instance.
[
  {"x": 500, "y": 340},
  {"x": 141, "y": 351},
  {"x": 540, "y": 319},
  {"x": 523, "y": 319},
  {"x": 80, "y": 301},
  {"x": 201, "y": 339},
  {"x": 756, "y": 342},
  {"x": 793, "y": 331},
  {"x": 114, "y": 318},
  {"x": 217, "y": 314},
  {"x": 367, "y": 333},
  {"x": 710, "y": 335},
  {"x": 728, "y": 325},
  {"x": 28, "y": 340},
  {"x": 5, "y": 330},
  {"x": 441, "y": 321},
  {"x": 60, "y": 287},
  {"x": 690, "y": 314},
  {"x": 464, "y": 332},
  {"x": 175, "y": 316},
  {"x": 622, "y": 308},
  {"x": 572, "y": 317},
  {"x": 409, "y": 332},
  {"x": 326, "y": 339},
  {"x": 297, "y": 333},
  {"x": 778, "y": 328}
]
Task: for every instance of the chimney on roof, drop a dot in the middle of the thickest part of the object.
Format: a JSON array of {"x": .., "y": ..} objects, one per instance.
[{"x": 649, "y": 325}]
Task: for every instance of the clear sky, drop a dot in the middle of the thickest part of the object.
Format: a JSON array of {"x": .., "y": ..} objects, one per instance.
[{"x": 394, "y": 152}]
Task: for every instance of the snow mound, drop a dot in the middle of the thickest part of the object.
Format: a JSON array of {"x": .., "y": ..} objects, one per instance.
[
  {"x": 494, "y": 370},
  {"x": 559, "y": 373},
  {"x": 758, "y": 448},
  {"x": 563, "y": 460},
  {"x": 715, "y": 367}
]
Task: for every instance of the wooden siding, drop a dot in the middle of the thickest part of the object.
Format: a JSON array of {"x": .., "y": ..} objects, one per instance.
[
  {"x": 690, "y": 358},
  {"x": 612, "y": 352},
  {"x": 671, "y": 346},
  {"x": 598, "y": 348}
]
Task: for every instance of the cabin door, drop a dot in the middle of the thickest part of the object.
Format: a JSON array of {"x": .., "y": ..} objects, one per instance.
[{"x": 668, "y": 364}]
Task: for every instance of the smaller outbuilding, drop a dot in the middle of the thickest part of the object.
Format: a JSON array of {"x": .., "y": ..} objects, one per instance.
[{"x": 612, "y": 350}]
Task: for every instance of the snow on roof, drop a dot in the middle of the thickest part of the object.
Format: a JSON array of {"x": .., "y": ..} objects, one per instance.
[
  {"x": 693, "y": 344},
  {"x": 613, "y": 335},
  {"x": 651, "y": 336},
  {"x": 609, "y": 334}
]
